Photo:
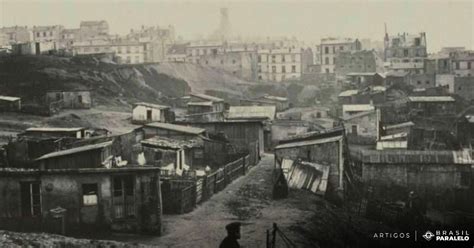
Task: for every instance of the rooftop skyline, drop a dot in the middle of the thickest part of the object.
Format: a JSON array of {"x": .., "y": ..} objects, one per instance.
[{"x": 445, "y": 23}]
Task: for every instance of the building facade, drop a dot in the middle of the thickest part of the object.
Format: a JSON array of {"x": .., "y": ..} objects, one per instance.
[
  {"x": 405, "y": 52},
  {"x": 277, "y": 65},
  {"x": 330, "y": 49}
]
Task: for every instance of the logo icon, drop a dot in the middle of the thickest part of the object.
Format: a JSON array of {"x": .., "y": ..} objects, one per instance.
[{"x": 428, "y": 235}]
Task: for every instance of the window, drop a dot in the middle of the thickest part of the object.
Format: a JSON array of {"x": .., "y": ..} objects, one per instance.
[
  {"x": 30, "y": 199},
  {"x": 457, "y": 65},
  {"x": 38, "y": 34},
  {"x": 333, "y": 49},
  {"x": 259, "y": 58},
  {"x": 273, "y": 59},
  {"x": 283, "y": 69},
  {"x": 417, "y": 41},
  {"x": 418, "y": 82},
  {"x": 44, "y": 34},
  {"x": 334, "y": 60},
  {"x": 341, "y": 48},
  {"x": 222, "y": 61},
  {"x": 293, "y": 58},
  {"x": 326, "y": 61},
  {"x": 123, "y": 197},
  {"x": 405, "y": 52},
  {"x": 58, "y": 96},
  {"x": 233, "y": 61},
  {"x": 274, "y": 69},
  {"x": 427, "y": 82},
  {"x": 293, "y": 68},
  {"x": 327, "y": 70},
  {"x": 128, "y": 49},
  {"x": 260, "y": 69},
  {"x": 469, "y": 65},
  {"x": 282, "y": 58},
  {"x": 354, "y": 129},
  {"x": 79, "y": 99},
  {"x": 326, "y": 50},
  {"x": 148, "y": 114},
  {"x": 89, "y": 194}
]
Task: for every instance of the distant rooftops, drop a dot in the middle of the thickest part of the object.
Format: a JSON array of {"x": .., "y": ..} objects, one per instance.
[
  {"x": 274, "y": 98},
  {"x": 314, "y": 141},
  {"x": 349, "y": 93},
  {"x": 331, "y": 40},
  {"x": 357, "y": 107},
  {"x": 177, "y": 128},
  {"x": 151, "y": 105},
  {"x": 209, "y": 104},
  {"x": 75, "y": 150},
  {"x": 361, "y": 114},
  {"x": 431, "y": 99}
]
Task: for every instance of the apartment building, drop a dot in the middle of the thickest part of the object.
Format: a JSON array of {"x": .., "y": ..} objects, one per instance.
[{"x": 330, "y": 49}]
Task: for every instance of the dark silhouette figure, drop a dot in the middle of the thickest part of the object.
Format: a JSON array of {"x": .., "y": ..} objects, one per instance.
[{"x": 233, "y": 234}]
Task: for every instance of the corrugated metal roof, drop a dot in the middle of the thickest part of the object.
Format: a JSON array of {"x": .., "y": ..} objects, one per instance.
[
  {"x": 309, "y": 142},
  {"x": 362, "y": 114},
  {"x": 249, "y": 112},
  {"x": 349, "y": 93},
  {"x": 176, "y": 128},
  {"x": 55, "y": 129},
  {"x": 431, "y": 99},
  {"x": 412, "y": 157},
  {"x": 75, "y": 150},
  {"x": 394, "y": 136},
  {"x": 207, "y": 97},
  {"x": 171, "y": 143},
  {"x": 151, "y": 105},
  {"x": 9, "y": 98}
]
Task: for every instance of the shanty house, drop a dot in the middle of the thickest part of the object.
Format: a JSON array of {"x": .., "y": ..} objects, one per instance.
[
  {"x": 362, "y": 128},
  {"x": 147, "y": 112},
  {"x": 87, "y": 187},
  {"x": 201, "y": 103},
  {"x": 10, "y": 104},
  {"x": 252, "y": 112},
  {"x": 352, "y": 109},
  {"x": 442, "y": 178},
  {"x": 281, "y": 103},
  {"x": 432, "y": 105},
  {"x": 325, "y": 148},
  {"x": 172, "y": 131},
  {"x": 70, "y": 99},
  {"x": 93, "y": 200}
]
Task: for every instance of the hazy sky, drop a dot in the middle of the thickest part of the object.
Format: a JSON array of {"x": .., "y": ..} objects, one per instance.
[{"x": 447, "y": 23}]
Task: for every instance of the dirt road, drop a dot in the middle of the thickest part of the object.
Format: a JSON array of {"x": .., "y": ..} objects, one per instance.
[{"x": 248, "y": 199}]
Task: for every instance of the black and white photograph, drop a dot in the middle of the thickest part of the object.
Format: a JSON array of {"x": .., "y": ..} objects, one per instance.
[{"x": 236, "y": 123}]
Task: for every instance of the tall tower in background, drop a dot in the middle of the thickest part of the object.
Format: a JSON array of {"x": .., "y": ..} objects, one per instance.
[{"x": 224, "y": 30}]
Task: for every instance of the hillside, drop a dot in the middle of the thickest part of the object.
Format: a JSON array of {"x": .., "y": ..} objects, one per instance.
[{"x": 113, "y": 86}]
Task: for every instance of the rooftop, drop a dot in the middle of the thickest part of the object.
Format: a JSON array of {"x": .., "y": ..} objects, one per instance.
[
  {"x": 151, "y": 105},
  {"x": 336, "y": 40},
  {"x": 176, "y": 128},
  {"x": 207, "y": 97},
  {"x": 200, "y": 103},
  {"x": 431, "y": 99},
  {"x": 357, "y": 107},
  {"x": 171, "y": 143},
  {"x": 399, "y": 125},
  {"x": 309, "y": 142},
  {"x": 250, "y": 112},
  {"x": 275, "y": 98},
  {"x": 9, "y": 98},
  {"x": 75, "y": 150},
  {"x": 349, "y": 93},
  {"x": 55, "y": 129},
  {"x": 361, "y": 114}
]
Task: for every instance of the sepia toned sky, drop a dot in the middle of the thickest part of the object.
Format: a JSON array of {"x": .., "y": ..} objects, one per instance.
[{"x": 447, "y": 23}]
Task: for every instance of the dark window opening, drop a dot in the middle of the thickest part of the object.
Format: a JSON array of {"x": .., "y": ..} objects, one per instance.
[
  {"x": 354, "y": 129},
  {"x": 148, "y": 114},
  {"x": 79, "y": 99},
  {"x": 124, "y": 197}
]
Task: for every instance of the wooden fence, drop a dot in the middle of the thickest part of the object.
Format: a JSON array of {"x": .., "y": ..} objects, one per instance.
[{"x": 182, "y": 196}]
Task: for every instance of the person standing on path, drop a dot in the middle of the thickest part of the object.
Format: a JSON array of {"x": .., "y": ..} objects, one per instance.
[{"x": 233, "y": 234}]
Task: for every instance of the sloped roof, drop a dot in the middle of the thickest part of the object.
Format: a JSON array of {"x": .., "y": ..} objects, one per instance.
[
  {"x": 399, "y": 125},
  {"x": 176, "y": 128},
  {"x": 309, "y": 142},
  {"x": 151, "y": 105},
  {"x": 54, "y": 129},
  {"x": 200, "y": 103},
  {"x": 207, "y": 97},
  {"x": 275, "y": 98},
  {"x": 171, "y": 143},
  {"x": 75, "y": 150},
  {"x": 9, "y": 98},
  {"x": 349, "y": 93},
  {"x": 250, "y": 112}
]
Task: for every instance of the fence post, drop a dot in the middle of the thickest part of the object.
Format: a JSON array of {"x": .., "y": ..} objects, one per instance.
[{"x": 243, "y": 165}]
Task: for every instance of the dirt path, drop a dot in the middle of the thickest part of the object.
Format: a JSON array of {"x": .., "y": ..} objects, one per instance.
[{"x": 248, "y": 199}]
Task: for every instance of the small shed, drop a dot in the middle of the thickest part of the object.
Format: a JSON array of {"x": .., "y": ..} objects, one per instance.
[
  {"x": 148, "y": 112},
  {"x": 70, "y": 132},
  {"x": 202, "y": 103},
  {"x": 10, "y": 104},
  {"x": 70, "y": 99}
]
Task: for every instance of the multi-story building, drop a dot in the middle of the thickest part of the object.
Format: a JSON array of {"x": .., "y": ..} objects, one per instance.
[
  {"x": 330, "y": 49},
  {"x": 156, "y": 40},
  {"x": 405, "y": 52},
  {"x": 47, "y": 33},
  {"x": 462, "y": 63},
  {"x": 16, "y": 34},
  {"x": 126, "y": 52},
  {"x": 93, "y": 29},
  {"x": 358, "y": 61},
  {"x": 197, "y": 49},
  {"x": 241, "y": 63},
  {"x": 279, "y": 64}
]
